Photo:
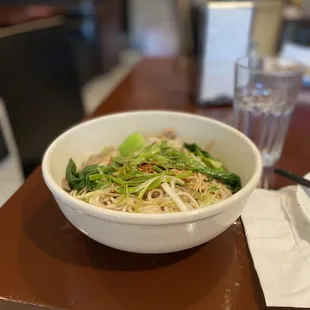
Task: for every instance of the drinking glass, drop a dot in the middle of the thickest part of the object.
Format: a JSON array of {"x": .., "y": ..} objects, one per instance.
[{"x": 266, "y": 90}]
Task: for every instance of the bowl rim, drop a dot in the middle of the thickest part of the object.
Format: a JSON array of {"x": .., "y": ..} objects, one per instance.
[{"x": 149, "y": 219}]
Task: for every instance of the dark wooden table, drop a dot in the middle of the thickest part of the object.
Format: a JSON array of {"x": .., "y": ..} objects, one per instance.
[{"x": 45, "y": 261}]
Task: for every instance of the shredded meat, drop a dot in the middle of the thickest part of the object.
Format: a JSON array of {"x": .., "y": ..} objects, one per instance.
[
  {"x": 169, "y": 134},
  {"x": 146, "y": 168},
  {"x": 65, "y": 185},
  {"x": 97, "y": 160}
]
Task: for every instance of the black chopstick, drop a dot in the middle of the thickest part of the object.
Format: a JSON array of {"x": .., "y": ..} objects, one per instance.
[{"x": 293, "y": 177}]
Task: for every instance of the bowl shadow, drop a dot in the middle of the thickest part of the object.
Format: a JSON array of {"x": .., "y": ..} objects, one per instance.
[{"x": 163, "y": 281}]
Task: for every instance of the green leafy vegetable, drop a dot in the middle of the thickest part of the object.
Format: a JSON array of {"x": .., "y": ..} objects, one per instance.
[
  {"x": 205, "y": 156},
  {"x": 179, "y": 160},
  {"x": 134, "y": 142},
  {"x": 71, "y": 173},
  {"x": 78, "y": 180},
  {"x": 86, "y": 178}
]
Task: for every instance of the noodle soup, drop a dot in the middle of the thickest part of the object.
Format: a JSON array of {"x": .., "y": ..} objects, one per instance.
[{"x": 151, "y": 174}]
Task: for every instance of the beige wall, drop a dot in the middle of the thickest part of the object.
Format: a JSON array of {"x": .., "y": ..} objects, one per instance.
[
  {"x": 266, "y": 25},
  {"x": 153, "y": 26}
]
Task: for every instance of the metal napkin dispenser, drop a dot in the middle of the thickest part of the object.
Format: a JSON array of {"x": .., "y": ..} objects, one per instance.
[{"x": 224, "y": 35}]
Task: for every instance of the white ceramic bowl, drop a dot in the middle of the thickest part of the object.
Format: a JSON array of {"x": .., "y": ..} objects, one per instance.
[{"x": 152, "y": 233}]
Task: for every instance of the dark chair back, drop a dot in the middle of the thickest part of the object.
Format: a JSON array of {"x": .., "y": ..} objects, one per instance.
[{"x": 40, "y": 86}]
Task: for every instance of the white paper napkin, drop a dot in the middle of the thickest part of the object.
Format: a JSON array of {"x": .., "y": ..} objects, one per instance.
[
  {"x": 296, "y": 52},
  {"x": 279, "y": 240}
]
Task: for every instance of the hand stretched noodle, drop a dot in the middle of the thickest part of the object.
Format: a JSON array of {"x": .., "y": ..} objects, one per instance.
[
  {"x": 161, "y": 189},
  {"x": 191, "y": 201}
]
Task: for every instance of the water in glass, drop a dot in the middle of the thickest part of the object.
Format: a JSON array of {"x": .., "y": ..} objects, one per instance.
[{"x": 265, "y": 119}]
